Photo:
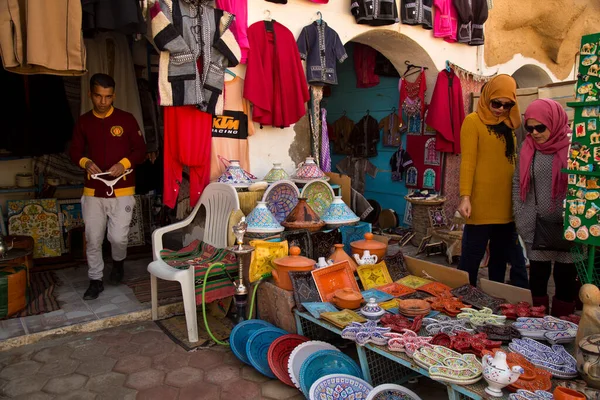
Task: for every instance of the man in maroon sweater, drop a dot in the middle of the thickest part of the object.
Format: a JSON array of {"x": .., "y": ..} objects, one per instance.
[{"x": 106, "y": 139}]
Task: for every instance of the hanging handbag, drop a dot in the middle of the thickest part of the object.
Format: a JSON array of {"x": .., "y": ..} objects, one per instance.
[{"x": 548, "y": 234}]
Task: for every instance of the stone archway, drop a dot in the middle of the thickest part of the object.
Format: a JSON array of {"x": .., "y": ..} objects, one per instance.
[{"x": 531, "y": 76}]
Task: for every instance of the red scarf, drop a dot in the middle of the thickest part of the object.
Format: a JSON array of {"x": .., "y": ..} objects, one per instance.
[{"x": 551, "y": 114}]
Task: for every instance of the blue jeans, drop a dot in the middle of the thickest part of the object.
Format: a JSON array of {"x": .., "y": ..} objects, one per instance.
[{"x": 504, "y": 248}]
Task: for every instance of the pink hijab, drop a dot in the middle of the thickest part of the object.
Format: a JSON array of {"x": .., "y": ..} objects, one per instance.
[{"x": 551, "y": 114}]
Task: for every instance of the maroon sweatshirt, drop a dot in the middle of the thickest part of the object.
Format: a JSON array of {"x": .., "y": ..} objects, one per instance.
[{"x": 107, "y": 141}]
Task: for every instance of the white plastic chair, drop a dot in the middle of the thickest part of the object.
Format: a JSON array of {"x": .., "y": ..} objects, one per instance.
[{"x": 219, "y": 200}]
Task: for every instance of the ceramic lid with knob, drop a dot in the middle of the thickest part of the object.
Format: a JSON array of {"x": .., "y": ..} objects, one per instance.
[
  {"x": 372, "y": 309},
  {"x": 348, "y": 294},
  {"x": 369, "y": 243},
  {"x": 295, "y": 260}
]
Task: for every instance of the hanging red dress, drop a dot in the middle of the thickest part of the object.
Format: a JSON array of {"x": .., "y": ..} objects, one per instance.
[{"x": 446, "y": 112}]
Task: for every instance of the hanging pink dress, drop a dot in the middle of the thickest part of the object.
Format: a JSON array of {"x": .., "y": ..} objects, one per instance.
[
  {"x": 445, "y": 20},
  {"x": 239, "y": 26}
]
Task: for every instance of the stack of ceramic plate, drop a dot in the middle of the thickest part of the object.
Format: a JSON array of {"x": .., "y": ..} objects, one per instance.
[
  {"x": 262, "y": 220},
  {"x": 413, "y": 307},
  {"x": 279, "y": 355},
  {"x": 241, "y": 333},
  {"x": 257, "y": 348},
  {"x": 24, "y": 180},
  {"x": 326, "y": 362},
  {"x": 301, "y": 353}
]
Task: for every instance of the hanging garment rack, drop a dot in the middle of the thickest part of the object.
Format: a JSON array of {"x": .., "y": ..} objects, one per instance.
[
  {"x": 366, "y": 112},
  {"x": 410, "y": 66}
]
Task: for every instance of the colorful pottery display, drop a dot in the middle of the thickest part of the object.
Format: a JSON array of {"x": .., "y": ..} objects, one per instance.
[
  {"x": 548, "y": 328},
  {"x": 301, "y": 353},
  {"x": 378, "y": 295},
  {"x": 347, "y": 298},
  {"x": 498, "y": 374},
  {"x": 374, "y": 275},
  {"x": 261, "y": 220},
  {"x": 257, "y": 348},
  {"x": 339, "y": 386},
  {"x": 300, "y": 238},
  {"x": 339, "y": 255},
  {"x": 281, "y": 198},
  {"x": 436, "y": 289},
  {"x": 317, "y": 308},
  {"x": 279, "y": 355},
  {"x": 277, "y": 173},
  {"x": 343, "y": 318},
  {"x": 240, "y": 334},
  {"x": 375, "y": 248},
  {"x": 448, "y": 305},
  {"x": 372, "y": 310},
  {"x": 414, "y": 282},
  {"x": 588, "y": 359},
  {"x": 338, "y": 213},
  {"x": 264, "y": 253},
  {"x": 292, "y": 263},
  {"x": 319, "y": 195},
  {"x": 235, "y": 175},
  {"x": 407, "y": 342},
  {"x": 521, "y": 309},
  {"x": 326, "y": 362},
  {"x": 446, "y": 325},
  {"x": 365, "y": 333},
  {"x": 504, "y": 333},
  {"x": 391, "y": 391},
  {"x": 336, "y": 276},
  {"x": 555, "y": 359},
  {"x": 477, "y": 298},
  {"x": 413, "y": 308},
  {"x": 532, "y": 379},
  {"x": 399, "y": 323},
  {"x": 305, "y": 289},
  {"x": 307, "y": 171},
  {"x": 481, "y": 317},
  {"x": 303, "y": 217},
  {"x": 395, "y": 289},
  {"x": 529, "y": 395}
]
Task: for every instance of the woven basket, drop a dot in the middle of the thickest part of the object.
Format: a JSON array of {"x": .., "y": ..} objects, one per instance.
[
  {"x": 433, "y": 202},
  {"x": 248, "y": 200}
]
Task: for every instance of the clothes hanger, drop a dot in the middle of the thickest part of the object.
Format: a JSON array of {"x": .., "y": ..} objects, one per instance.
[
  {"x": 227, "y": 71},
  {"x": 448, "y": 66},
  {"x": 269, "y": 21},
  {"x": 268, "y": 17},
  {"x": 320, "y": 20}
]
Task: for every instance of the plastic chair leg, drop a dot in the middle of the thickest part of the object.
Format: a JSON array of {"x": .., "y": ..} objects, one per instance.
[
  {"x": 189, "y": 305},
  {"x": 154, "y": 296}
]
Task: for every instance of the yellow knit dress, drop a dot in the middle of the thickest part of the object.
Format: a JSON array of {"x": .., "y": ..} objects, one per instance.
[{"x": 485, "y": 173}]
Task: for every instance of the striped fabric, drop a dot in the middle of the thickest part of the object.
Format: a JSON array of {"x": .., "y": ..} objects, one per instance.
[{"x": 200, "y": 255}]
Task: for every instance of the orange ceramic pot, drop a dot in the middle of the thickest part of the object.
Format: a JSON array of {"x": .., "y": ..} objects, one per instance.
[
  {"x": 294, "y": 262},
  {"x": 375, "y": 248},
  {"x": 347, "y": 298},
  {"x": 339, "y": 255},
  {"x": 563, "y": 393}
]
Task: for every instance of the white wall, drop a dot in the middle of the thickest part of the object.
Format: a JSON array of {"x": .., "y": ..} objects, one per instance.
[{"x": 397, "y": 42}]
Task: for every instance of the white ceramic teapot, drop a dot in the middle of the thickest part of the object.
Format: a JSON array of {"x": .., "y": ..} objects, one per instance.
[
  {"x": 322, "y": 263},
  {"x": 366, "y": 259},
  {"x": 498, "y": 374}
]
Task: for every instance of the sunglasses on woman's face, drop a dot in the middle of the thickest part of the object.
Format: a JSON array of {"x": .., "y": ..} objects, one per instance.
[
  {"x": 497, "y": 104},
  {"x": 541, "y": 128}
]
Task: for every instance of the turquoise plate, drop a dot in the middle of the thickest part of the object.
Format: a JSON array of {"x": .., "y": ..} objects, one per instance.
[
  {"x": 257, "y": 348},
  {"x": 326, "y": 362},
  {"x": 240, "y": 334}
]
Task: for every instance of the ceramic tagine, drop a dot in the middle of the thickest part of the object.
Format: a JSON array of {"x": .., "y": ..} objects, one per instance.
[
  {"x": 375, "y": 248},
  {"x": 303, "y": 217},
  {"x": 347, "y": 298},
  {"x": 498, "y": 374},
  {"x": 338, "y": 214},
  {"x": 588, "y": 360},
  {"x": 366, "y": 259},
  {"x": 372, "y": 310},
  {"x": 340, "y": 255},
  {"x": 276, "y": 173},
  {"x": 294, "y": 262},
  {"x": 235, "y": 175},
  {"x": 261, "y": 220},
  {"x": 308, "y": 170}
]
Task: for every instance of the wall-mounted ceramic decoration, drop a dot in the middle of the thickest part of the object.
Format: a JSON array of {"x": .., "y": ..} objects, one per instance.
[
  {"x": 429, "y": 179},
  {"x": 38, "y": 219},
  {"x": 432, "y": 156},
  {"x": 412, "y": 175}
]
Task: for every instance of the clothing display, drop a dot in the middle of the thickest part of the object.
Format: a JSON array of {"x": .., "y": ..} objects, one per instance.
[
  {"x": 95, "y": 211},
  {"x": 275, "y": 82},
  {"x": 42, "y": 37},
  {"x": 341, "y": 130},
  {"x": 412, "y": 101},
  {"x": 392, "y": 130},
  {"x": 239, "y": 26},
  {"x": 445, "y": 20},
  {"x": 364, "y": 66},
  {"x": 325, "y": 163},
  {"x": 314, "y": 116},
  {"x": 187, "y": 142},
  {"x": 472, "y": 14},
  {"x": 196, "y": 47},
  {"x": 465, "y": 20},
  {"x": 321, "y": 48},
  {"x": 374, "y": 13},
  {"x": 230, "y": 131},
  {"x": 364, "y": 137},
  {"x": 417, "y": 12},
  {"x": 399, "y": 162},
  {"x": 115, "y": 15},
  {"x": 446, "y": 112},
  {"x": 109, "y": 53},
  {"x": 356, "y": 168},
  {"x": 153, "y": 128},
  {"x": 480, "y": 15},
  {"x": 116, "y": 138},
  {"x": 384, "y": 67}
]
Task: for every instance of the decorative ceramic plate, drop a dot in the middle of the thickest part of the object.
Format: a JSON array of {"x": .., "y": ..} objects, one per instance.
[
  {"x": 299, "y": 180},
  {"x": 392, "y": 392},
  {"x": 339, "y": 386},
  {"x": 281, "y": 198},
  {"x": 435, "y": 288},
  {"x": 334, "y": 277},
  {"x": 413, "y": 282},
  {"x": 343, "y": 318},
  {"x": 301, "y": 353},
  {"x": 264, "y": 253},
  {"x": 374, "y": 275},
  {"x": 317, "y": 308},
  {"x": 476, "y": 297},
  {"x": 396, "y": 289},
  {"x": 378, "y": 295},
  {"x": 388, "y": 305},
  {"x": 279, "y": 355},
  {"x": 257, "y": 348},
  {"x": 326, "y": 362},
  {"x": 319, "y": 195},
  {"x": 240, "y": 334},
  {"x": 305, "y": 290}
]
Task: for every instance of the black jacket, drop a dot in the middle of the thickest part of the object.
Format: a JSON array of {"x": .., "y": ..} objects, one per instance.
[
  {"x": 417, "y": 12},
  {"x": 374, "y": 12}
]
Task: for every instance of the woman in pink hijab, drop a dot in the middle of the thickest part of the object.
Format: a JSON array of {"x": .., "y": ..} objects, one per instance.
[{"x": 542, "y": 156}]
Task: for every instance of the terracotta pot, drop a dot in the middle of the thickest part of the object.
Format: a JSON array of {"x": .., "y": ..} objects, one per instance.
[
  {"x": 339, "y": 255},
  {"x": 347, "y": 298},
  {"x": 562, "y": 393},
  {"x": 294, "y": 262},
  {"x": 375, "y": 248},
  {"x": 303, "y": 217}
]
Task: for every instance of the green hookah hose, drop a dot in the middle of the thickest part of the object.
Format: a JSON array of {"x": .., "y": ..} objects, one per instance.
[{"x": 210, "y": 267}]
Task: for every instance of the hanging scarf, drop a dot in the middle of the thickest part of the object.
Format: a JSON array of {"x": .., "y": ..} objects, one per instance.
[
  {"x": 325, "y": 153},
  {"x": 551, "y": 114}
]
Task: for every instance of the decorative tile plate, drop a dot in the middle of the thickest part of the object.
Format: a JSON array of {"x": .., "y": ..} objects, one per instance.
[
  {"x": 263, "y": 255},
  {"x": 317, "y": 308},
  {"x": 38, "y": 219},
  {"x": 413, "y": 282},
  {"x": 435, "y": 288},
  {"x": 343, "y": 318},
  {"x": 396, "y": 289},
  {"x": 374, "y": 275},
  {"x": 305, "y": 290},
  {"x": 319, "y": 195},
  {"x": 378, "y": 295},
  {"x": 336, "y": 276},
  {"x": 390, "y": 391},
  {"x": 353, "y": 233},
  {"x": 281, "y": 198}
]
